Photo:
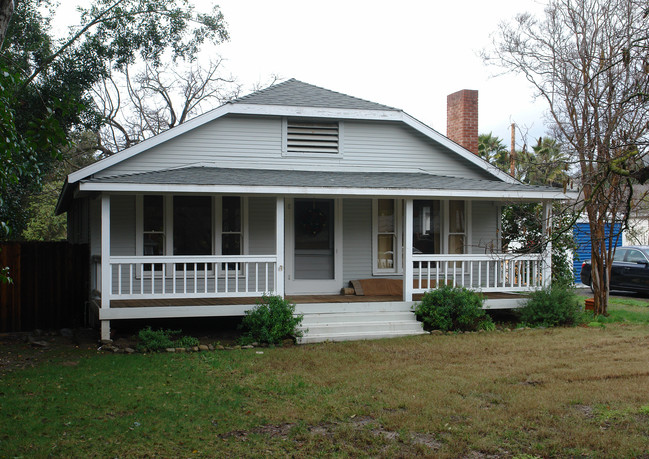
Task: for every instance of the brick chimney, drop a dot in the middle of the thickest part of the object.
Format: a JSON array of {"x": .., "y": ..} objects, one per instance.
[{"x": 462, "y": 118}]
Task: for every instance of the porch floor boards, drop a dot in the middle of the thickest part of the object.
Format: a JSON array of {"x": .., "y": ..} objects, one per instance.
[{"x": 298, "y": 299}]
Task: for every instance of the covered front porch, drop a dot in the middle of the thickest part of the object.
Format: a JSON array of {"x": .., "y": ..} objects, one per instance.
[{"x": 174, "y": 286}]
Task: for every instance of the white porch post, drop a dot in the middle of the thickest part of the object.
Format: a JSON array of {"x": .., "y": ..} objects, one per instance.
[
  {"x": 279, "y": 246},
  {"x": 547, "y": 234},
  {"x": 105, "y": 263},
  {"x": 407, "y": 247}
]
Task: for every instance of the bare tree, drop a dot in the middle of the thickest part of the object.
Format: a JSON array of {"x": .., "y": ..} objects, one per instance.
[
  {"x": 140, "y": 105},
  {"x": 588, "y": 60}
]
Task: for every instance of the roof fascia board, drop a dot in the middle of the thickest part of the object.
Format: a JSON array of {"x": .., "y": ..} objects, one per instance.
[{"x": 281, "y": 190}]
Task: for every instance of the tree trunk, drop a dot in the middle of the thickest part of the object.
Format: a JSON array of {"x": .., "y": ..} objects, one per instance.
[{"x": 6, "y": 11}]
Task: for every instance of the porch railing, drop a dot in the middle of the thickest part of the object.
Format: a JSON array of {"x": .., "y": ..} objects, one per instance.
[
  {"x": 156, "y": 277},
  {"x": 487, "y": 273}
]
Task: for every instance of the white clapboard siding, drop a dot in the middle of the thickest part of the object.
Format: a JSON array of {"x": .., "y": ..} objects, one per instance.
[
  {"x": 236, "y": 141},
  {"x": 484, "y": 220},
  {"x": 261, "y": 225},
  {"x": 357, "y": 239},
  {"x": 122, "y": 225}
]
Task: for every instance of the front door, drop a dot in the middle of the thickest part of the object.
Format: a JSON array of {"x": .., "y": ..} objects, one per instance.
[{"x": 313, "y": 246}]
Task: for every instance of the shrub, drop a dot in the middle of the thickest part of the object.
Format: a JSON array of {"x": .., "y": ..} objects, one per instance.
[
  {"x": 453, "y": 308},
  {"x": 557, "y": 305},
  {"x": 155, "y": 340},
  {"x": 271, "y": 321},
  {"x": 186, "y": 342}
]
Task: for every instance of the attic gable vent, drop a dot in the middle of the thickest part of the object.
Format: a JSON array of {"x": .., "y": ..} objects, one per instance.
[{"x": 312, "y": 137}]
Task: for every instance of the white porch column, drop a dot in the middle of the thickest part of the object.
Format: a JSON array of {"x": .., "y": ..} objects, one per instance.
[
  {"x": 547, "y": 235},
  {"x": 279, "y": 246},
  {"x": 407, "y": 247},
  {"x": 105, "y": 263}
]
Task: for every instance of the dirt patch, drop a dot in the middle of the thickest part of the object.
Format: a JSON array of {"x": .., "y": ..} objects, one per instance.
[
  {"x": 28, "y": 350},
  {"x": 328, "y": 429}
]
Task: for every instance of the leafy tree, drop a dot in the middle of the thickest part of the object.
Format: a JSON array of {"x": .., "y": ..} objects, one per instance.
[
  {"x": 46, "y": 83},
  {"x": 588, "y": 60},
  {"x": 522, "y": 224}
]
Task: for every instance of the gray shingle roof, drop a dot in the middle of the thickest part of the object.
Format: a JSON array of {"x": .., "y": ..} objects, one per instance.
[
  {"x": 298, "y": 94},
  {"x": 262, "y": 177}
]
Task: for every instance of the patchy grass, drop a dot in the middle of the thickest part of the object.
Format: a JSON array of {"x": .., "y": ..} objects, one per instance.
[{"x": 544, "y": 392}]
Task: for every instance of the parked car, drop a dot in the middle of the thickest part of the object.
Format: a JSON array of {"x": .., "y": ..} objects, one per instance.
[{"x": 630, "y": 271}]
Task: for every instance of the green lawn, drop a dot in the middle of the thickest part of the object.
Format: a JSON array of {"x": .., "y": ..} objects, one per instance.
[{"x": 548, "y": 392}]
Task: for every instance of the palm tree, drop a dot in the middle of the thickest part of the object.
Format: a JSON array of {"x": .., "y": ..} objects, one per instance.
[
  {"x": 492, "y": 149},
  {"x": 547, "y": 165}
]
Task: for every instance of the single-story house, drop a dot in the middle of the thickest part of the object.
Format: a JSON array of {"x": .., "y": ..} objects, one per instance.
[{"x": 297, "y": 190}]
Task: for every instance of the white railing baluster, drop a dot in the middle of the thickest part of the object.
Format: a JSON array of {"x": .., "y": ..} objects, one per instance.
[
  {"x": 173, "y": 275},
  {"x": 488, "y": 272},
  {"x": 184, "y": 277},
  {"x": 266, "y": 277},
  {"x": 246, "y": 276}
]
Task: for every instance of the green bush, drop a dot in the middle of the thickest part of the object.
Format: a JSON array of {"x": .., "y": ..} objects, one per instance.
[
  {"x": 271, "y": 321},
  {"x": 155, "y": 340},
  {"x": 557, "y": 305},
  {"x": 186, "y": 342},
  {"x": 453, "y": 308}
]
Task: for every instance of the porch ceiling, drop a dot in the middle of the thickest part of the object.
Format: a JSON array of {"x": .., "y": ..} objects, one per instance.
[{"x": 297, "y": 182}]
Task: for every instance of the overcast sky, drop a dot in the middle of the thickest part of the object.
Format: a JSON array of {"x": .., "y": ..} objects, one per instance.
[{"x": 409, "y": 54}]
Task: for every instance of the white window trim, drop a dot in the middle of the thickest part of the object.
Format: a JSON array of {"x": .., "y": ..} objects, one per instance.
[
  {"x": 287, "y": 154},
  {"x": 397, "y": 266}
]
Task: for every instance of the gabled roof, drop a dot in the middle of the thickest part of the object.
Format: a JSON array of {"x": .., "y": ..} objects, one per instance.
[
  {"x": 291, "y": 98},
  {"x": 299, "y": 94}
]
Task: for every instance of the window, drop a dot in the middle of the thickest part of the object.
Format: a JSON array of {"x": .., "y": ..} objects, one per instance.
[
  {"x": 426, "y": 226},
  {"x": 312, "y": 137},
  {"x": 191, "y": 225},
  {"x": 387, "y": 232},
  {"x": 456, "y": 227},
  {"x": 231, "y": 234},
  {"x": 153, "y": 228},
  {"x": 635, "y": 256},
  {"x": 192, "y": 216}
]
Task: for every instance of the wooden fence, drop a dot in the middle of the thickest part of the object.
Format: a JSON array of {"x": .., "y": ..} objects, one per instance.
[{"x": 50, "y": 285}]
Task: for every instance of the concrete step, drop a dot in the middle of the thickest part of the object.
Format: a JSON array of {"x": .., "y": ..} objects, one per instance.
[
  {"x": 368, "y": 326},
  {"x": 319, "y": 338},
  {"x": 364, "y": 307},
  {"x": 379, "y": 316},
  {"x": 357, "y": 321}
]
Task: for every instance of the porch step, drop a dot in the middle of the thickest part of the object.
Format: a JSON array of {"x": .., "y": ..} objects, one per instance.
[{"x": 357, "y": 321}]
